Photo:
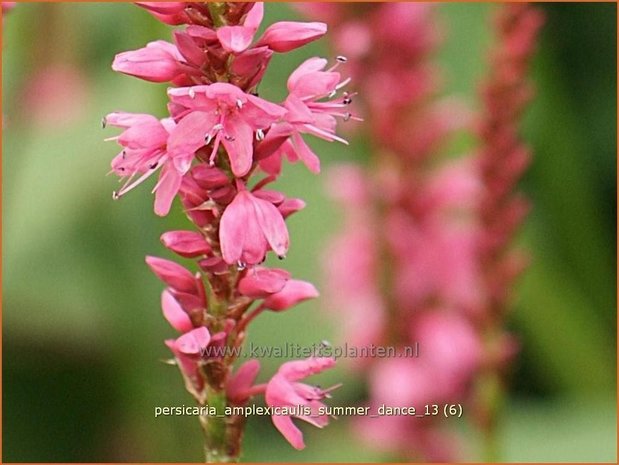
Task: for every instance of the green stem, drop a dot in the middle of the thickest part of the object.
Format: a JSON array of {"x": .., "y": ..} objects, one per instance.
[
  {"x": 218, "y": 12},
  {"x": 490, "y": 397},
  {"x": 220, "y": 442}
]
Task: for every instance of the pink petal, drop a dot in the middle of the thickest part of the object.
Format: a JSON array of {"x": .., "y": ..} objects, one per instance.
[
  {"x": 172, "y": 274},
  {"x": 305, "y": 153},
  {"x": 235, "y": 39},
  {"x": 186, "y": 243},
  {"x": 238, "y": 141},
  {"x": 272, "y": 225},
  {"x": 157, "y": 62},
  {"x": 262, "y": 282},
  {"x": 254, "y": 17},
  {"x": 291, "y": 294},
  {"x": 166, "y": 189},
  {"x": 194, "y": 342},
  {"x": 309, "y": 66},
  {"x": 173, "y": 312},
  {"x": 288, "y": 35},
  {"x": 291, "y": 433},
  {"x": 299, "y": 369},
  {"x": 242, "y": 380},
  {"x": 188, "y": 135},
  {"x": 240, "y": 235},
  {"x": 125, "y": 120}
]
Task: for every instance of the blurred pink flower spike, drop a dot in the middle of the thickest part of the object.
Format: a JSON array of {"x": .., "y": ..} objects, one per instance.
[
  {"x": 249, "y": 227},
  {"x": 284, "y": 390}
]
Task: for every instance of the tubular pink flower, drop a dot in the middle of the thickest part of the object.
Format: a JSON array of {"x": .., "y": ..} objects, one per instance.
[
  {"x": 288, "y": 35},
  {"x": 222, "y": 114},
  {"x": 237, "y": 39},
  {"x": 249, "y": 227},
  {"x": 284, "y": 390},
  {"x": 157, "y": 62},
  {"x": 174, "y": 313},
  {"x": 188, "y": 244},
  {"x": 145, "y": 151},
  {"x": 262, "y": 282},
  {"x": 193, "y": 342},
  {"x": 238, "y": 388},
  {"x": 172, "y": 274},
  {"x": 293, "y": 293}
]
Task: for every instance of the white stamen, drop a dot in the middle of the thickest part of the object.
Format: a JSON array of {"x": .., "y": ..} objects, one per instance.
[
  {"x": 341, "y": 59},
  {"x": 239, "y": 104},
  {"x": 259, "y": 134},
  {"x": 192, "y": 93}
]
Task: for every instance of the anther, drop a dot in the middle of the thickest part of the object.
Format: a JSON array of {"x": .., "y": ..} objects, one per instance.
[
  {"x": 347, "y": 116},
  {"x": 192, "y": 93},
  {"x": 103, "y": 122},
  {"x": 218, "y": 127},
  {"x": 154, "y": 165},
  {"x": 281, "y": 257},
  {"x": 208, "y": 138},
  {"x": 229, "y": 137},
  {"x": 239, "y": 103},
  {"x": 347, "y": 101},
  {"x": 341, "y": 59},
  {"x": 259, "y": 134},
  {"x": 115, "y": 195},
  {"x": 241, "y": 266}
]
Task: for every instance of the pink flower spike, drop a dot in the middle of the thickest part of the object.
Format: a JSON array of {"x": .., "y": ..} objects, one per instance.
[
  {"x": 172, "y": 274},
  {"x": 260, "y": 282},
  {"x": 293, "y": 292},
  {"x": 249, "y": 225},
  {"x": 174, "y": 313},
  {"x": 283, "y": 390},
  {"x": 187, "y": 244},
  {"x": 194, "y": 342},
  {"x": 289, "y": 35},
  {"x": 157, "y": 62},
  {"x": 239, "y": 384}
]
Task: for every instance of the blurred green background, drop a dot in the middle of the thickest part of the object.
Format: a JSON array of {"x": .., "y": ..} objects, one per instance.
[{"x": 82, "y": 328}]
